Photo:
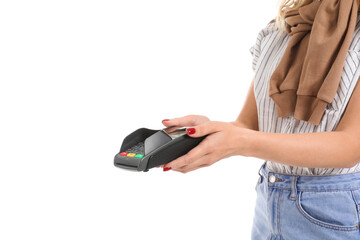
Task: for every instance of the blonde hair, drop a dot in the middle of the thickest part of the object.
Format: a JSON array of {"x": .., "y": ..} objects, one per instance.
[{"x": 283, "y": 7}]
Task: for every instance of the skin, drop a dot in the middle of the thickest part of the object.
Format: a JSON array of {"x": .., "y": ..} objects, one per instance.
[{"x": 337, "y": 149}]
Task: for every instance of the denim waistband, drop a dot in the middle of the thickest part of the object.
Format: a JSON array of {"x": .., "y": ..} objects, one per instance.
[{"x": 349, "y": 181}]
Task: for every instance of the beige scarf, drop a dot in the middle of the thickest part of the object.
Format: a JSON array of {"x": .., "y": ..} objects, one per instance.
[{"x": 308, "y": 74}]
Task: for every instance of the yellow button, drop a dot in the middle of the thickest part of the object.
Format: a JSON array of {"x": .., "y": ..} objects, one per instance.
[{"x": 131, "y": 154}]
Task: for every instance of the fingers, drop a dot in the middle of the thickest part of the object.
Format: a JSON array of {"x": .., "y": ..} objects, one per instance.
[
  {"x": 206, "y": 128},
  {"x": 194, "y": 154},
  {"x": 182, "y": 121},
  {"x": 189, "y": 120}
]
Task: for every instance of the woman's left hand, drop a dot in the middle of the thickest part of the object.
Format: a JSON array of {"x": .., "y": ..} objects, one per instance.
[{"x": 224, "y": 140}]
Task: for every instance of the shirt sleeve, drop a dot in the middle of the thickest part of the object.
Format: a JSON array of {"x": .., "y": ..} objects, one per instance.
[
  {"x": 255, "y": 52},
  {"x": 255, "y": 49}
]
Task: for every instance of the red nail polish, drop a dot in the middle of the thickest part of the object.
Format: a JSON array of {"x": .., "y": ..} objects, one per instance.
[
  {"x": 165, "y": 120},
  {"x": 166, "y": 169},
  {"x": 190, "y": 130}
]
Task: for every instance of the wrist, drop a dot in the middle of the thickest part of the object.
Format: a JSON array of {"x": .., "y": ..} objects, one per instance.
[{"x": 245, "y": 139}]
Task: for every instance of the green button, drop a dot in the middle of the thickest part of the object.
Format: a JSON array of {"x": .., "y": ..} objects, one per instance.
[{"x": 139, "y": 155}]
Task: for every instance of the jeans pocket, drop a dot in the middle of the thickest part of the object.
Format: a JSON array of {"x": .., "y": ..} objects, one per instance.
[{"x": 335, "y": 210}]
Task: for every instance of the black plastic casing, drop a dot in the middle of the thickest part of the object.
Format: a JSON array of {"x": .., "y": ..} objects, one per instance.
[{"x": 160, "y": 149}]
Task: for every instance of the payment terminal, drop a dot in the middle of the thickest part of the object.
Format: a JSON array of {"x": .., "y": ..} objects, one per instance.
[{"x": 146, "y": 148}]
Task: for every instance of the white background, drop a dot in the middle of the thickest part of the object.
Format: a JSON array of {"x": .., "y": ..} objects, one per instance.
[{"x": 78, "y": 76}]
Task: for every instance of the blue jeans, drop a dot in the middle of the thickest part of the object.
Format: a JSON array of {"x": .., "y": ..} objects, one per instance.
[{"x": 297, "y": 207}]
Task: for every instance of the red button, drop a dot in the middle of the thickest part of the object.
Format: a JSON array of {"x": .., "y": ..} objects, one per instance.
[{"x": 124, "y": 154}]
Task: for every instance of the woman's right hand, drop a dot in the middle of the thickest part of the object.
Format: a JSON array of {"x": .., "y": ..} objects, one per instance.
[{"x": 186, "y": 121}]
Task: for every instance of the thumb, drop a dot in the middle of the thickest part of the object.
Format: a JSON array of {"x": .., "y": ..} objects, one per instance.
[{"x": 204, "y": 129}]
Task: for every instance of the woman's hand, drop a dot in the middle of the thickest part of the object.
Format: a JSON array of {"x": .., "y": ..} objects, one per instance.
[
  {"x": 224, "y": 140},
  {"x": 186, "y": 121}
]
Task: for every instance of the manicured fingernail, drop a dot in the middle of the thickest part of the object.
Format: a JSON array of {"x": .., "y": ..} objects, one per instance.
[
  {"x": 166, "y": 169},
  {"x": 190, "y": 130},
  {"x": 165, "y": 120}
]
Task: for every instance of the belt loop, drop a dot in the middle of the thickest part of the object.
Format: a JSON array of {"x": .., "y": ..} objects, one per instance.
[
  {"x": 293, "y": 187},
  {"x": 262, "y": 167},
  {"x": 259, "y": 172}
]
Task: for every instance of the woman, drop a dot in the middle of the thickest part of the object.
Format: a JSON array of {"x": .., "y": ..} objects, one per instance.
[{"x": 301, "y": 116}]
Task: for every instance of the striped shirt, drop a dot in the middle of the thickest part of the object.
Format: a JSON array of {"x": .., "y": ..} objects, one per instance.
[{"x": 267, "y": 52}]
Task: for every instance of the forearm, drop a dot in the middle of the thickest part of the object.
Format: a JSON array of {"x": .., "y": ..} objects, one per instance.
[{"x": 314, "y": 150}]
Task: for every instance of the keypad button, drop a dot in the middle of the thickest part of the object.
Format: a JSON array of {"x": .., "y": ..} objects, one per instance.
[
  {"x": 124, "y": 154},
  {"x": 131, "y": 154},
  {"x": 139, "y": 155}
]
